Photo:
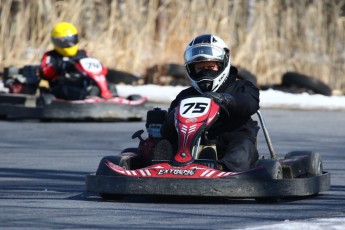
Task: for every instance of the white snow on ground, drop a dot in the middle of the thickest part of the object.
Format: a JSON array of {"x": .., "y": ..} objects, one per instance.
[
  {"x": 273, "y": 98},
  {"x": 164, "y": 94},
  {"x": 268, "y": 98},
  {"x": 310, "y": 224}
]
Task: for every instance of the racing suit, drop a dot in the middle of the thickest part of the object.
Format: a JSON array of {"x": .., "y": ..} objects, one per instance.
[
  {"x": 235, "y": 135},
  {"x": 53, "y": 69}
]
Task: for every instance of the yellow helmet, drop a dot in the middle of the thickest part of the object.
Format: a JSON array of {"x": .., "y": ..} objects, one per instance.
[{"x": 65, "y": 39}]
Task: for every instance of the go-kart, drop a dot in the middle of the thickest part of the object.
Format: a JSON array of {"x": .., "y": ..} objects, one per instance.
[
  {"x": 193, "y": 170},
  {"x": 26, "y": 100}
]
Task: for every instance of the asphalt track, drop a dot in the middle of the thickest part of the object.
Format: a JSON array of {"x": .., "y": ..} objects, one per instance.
[{"x": 43, "y": 168}]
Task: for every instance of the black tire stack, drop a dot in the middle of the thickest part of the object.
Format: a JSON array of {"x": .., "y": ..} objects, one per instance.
[
  {"x": 292, "y": 82},
  {"x": 294, "y": 79}
]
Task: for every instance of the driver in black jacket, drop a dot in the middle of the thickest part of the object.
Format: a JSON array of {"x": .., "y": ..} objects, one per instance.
[{"x": 207, "y": 61}]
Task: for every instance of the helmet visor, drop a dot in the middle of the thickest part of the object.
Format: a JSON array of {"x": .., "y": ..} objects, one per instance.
[
  {"x": 65, "y": 42},
  {"x": 203, "y": 53}
]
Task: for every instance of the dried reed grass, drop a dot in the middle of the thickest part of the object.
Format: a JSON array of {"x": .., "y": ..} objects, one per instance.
[{"x": 267, "y": 37}]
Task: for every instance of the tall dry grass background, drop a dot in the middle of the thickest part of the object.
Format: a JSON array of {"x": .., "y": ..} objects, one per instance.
[{"x": 267, "y": 37}]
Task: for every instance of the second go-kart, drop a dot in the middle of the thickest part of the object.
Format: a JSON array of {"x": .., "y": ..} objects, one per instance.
[
  {"x": 25, "y": 100},
  {"x": 193, "y": 170}
]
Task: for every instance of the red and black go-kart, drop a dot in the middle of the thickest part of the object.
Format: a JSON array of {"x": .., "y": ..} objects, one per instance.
[
  {"x": 193, "y": 171},
  {"x": 25, "y": 101}
]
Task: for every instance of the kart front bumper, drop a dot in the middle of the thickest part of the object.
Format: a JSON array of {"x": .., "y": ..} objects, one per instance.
[{"x": 224, "y": 187}]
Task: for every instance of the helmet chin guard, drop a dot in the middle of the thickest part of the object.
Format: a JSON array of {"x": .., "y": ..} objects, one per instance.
[{"x": 205, "y": 86}]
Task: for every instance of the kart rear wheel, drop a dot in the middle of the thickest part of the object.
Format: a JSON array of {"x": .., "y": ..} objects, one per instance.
[
  {"x": 273, "y": 168},
  {"x": 313, "y": 162}
]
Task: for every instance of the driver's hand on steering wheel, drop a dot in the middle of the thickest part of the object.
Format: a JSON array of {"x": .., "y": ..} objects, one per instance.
[
  {"x": 66, "y": 65},
  {"x": 223, "y": 99}
]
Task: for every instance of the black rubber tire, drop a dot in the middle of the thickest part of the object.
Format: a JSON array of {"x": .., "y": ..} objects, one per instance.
[
  {"x": 178, "y": 74},
  {"x": 291, "y": 79},
  {"x": 275, "y": 171},
  {"x": 113, "y": 89},
  {"x": 313, "y": 163},
  {"x": 175, "y": 70},
  {"x": 273, "y": 168},
  {"x": 108, "y": 196},
  {"x": 132, "y": 150},
  {"x": 94, "y": 91},
  {"x": 45, "y": 99},
  {"x": 246, "y": 75},
  {"x": 105, "y": 171},
  {"x": 103, "y": 168},
  {"x": 134, "y": 97},
  {"x": 117, "y": 77},
  {"x": 166, "y": 74}
]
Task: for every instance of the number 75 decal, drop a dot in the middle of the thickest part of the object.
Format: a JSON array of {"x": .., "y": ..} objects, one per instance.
[{"x": 194, "y": 107}]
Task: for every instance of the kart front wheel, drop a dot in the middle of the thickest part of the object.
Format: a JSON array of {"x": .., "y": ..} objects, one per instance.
[
  {"x": 132, "y": 150},
  {"x": 312, "y": 162},
  {"x": 104, "y": 170},
  {"x": 45, "y": 99},
  {"x": 273, "y": 168},
  {"x": 108, "y": 196},
  {"x": 275, "y": 171}
]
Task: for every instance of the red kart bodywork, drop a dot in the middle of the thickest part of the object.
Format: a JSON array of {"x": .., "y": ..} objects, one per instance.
[
  {"x": 92, "y": 68},
  {"x": 165, "y": 170},
  {"x": 191, "y": 126}
]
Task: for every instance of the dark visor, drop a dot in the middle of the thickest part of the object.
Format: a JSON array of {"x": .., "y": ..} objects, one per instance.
[
  {"x": 203, "y": 52},
  {"x": 66, "y": 42}
]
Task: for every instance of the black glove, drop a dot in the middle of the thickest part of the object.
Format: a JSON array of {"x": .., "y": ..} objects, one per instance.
[
  {"x": 65, "y": 66},
  {"x": 223, "y": 99}
]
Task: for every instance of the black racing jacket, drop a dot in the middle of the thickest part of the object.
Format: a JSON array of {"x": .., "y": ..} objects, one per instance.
[{"x": 247, "y": 98}]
